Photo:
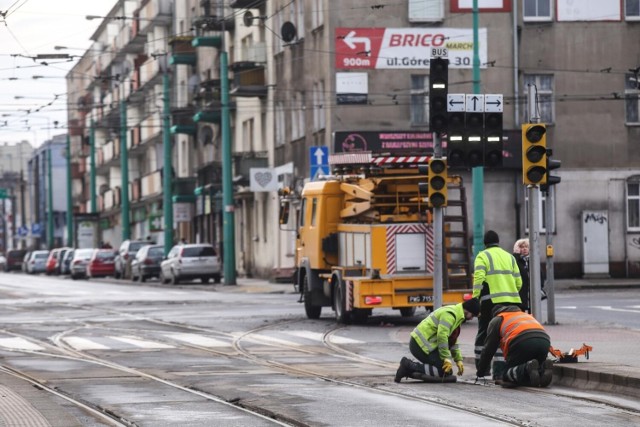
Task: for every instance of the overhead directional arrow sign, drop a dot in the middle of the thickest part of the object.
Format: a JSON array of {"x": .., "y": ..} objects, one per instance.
[
  {"x": 493, "y": 103},
  {"x": 475, "y": 103},
  {"x": 455, "y": 102},
  {"x": 351, "y": 40}
]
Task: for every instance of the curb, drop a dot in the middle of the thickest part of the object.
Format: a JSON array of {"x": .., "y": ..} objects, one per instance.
[{"x": 605, "y": 378}]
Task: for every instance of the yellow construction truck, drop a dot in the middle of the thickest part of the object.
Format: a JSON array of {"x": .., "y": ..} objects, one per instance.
[{"x": 365, "y": 239}]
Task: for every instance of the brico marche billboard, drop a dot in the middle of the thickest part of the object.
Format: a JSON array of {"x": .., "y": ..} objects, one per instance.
[{"x": 397, "y": 48}]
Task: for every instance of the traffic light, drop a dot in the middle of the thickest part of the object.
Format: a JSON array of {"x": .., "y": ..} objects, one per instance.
[
  {"x": 493, "y": 140},
  {"x": 551, "y": 165},
  {"x": 438, "y": 87},
  {"x": 475, "y": 129},
  {"x": 456, "y": 147},
  {"x": 437, "y": 182},
  {"x": 534, "y": 153}
]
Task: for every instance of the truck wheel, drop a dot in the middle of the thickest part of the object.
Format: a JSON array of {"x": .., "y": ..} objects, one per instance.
[
  {"x": 407, "y": 311},
  {"x": 313, "y": 311},
  {"x": 339, "y": 304}
]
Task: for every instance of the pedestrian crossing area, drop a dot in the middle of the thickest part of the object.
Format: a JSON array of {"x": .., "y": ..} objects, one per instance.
[{"x": 171, "y": 340}]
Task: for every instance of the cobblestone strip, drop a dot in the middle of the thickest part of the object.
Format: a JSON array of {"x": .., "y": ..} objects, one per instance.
[{"x": 17, "y": 412}]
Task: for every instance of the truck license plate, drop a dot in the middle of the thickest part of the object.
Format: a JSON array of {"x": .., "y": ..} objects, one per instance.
[{"x": 420, "y": 298}]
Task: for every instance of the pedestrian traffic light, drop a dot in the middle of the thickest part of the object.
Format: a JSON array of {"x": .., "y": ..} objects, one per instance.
[
  {"x": 474, "y": 123},
  {"x": 456, "y": 147},
  {"x": 438, "y": 87},
  {"x": 493, "y": 140},
  {"x": 534, "y": 154},
  {"x": 551, "y": 165},
  {"x": 437, "y": 182}
]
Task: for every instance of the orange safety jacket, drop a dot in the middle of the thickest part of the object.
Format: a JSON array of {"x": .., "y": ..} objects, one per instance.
[{"x": 513, "y": 324}]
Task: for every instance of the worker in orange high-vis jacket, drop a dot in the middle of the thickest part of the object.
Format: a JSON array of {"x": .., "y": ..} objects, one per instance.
[{"x": 525, "y": 345}]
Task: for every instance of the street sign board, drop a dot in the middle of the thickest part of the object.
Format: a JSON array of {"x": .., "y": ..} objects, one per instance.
[
  {"x": 23, "y": 231},
  {"x": 36, "y": 229},
  {"x": 4, "y": 193},
  {"x": 455, "y": 102},
  {"x": 474, "y": 103},
  {"x": 319, "y": 161},
  {"x": 155, "y": 222},
  {"x": 439, "y": 52},
  {"x": 493, "y": 103}
]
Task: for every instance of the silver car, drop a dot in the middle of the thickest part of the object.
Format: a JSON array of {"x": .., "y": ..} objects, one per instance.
[
  {"x": 192, "y": 261},
  {"x": 78, "y": 266},
  {"x": 37, "y": 262}
]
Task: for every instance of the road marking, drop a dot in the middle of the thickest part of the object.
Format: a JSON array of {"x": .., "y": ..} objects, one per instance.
[
  {"x": 609, "y": 308},
  {"x": 84, "y": 344},
  {"x": 141, "y": 343},
  {"x": 199, "y": 340},
  {"x": 19, "y": 344},
  {"x": 317, "y": 336},
  {"x": 568, "y": 307},
  {"x": 265, "y": 339}
]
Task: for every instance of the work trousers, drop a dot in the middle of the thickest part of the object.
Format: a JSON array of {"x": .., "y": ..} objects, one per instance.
[
  {"x": 432, "y": 361},
  {"x": 518, "y": 356},
  {"x": 498, "y": 365}
]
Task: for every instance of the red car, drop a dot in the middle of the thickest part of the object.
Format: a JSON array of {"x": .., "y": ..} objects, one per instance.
[{"x": 101, "y": 263}]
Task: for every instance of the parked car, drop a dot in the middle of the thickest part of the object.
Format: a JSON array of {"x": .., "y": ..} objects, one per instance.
[
  {"x": 65, "y": 265},
  {"x": 26, "y": 257},
  {"x": 15, "y": 257},
  {"x": 125, "y": 255},
  {"x": 37, "y": 262},
  {"x": 191, "y": 261},
  {"x": 146, "y": 263},
  {"x": 78, "y": 266},
  {"x": 54, "y": 260},
  {"x": 3, "y": 262},
  {"x": 101, "y": 263}
]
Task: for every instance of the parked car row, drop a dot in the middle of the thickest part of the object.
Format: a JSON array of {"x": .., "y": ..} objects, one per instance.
[{"x": 135, "y": 259}]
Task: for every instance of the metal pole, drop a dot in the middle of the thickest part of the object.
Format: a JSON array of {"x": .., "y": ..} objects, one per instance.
[
  {"x": 551, "y": 304},
  {"x": 50, "y": 243},
  {"x": 438, "y": 237},
  {"x": 124, "y": 168},
  {"x": 4, "y": 226},
  {"x": 228, "y": 232},
  {"x": 69, "y": 195},
  {"x": 534, "y": 226},
  {"x": 92, "y": 165},
  {"x": 167, "y": 197},
  {"x": 477, "y": 173}
]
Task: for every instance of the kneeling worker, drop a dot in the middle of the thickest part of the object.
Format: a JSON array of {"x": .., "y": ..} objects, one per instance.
[
  {"x": 434, "y": 343},
  {"x": 525, "y": 345}
]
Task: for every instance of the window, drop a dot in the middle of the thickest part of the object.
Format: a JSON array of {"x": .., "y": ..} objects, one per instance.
[
  {"x": 633, "y": 204},
  {"x": 314, "y": 212},
  {"x": 303, "y": 212},
  {"x": 280, "y": 124},
  {"x": 542, "y": 205},
  {"x": 277, "y": 40},
  {"x": 297, "y": 116},
  {"x": 317, "y": 14},
  {"x": 318, "y": 106},
  {"x": 632, "y": 10},
  {"x": 543, "y": 88},
  {"x": 536, "y": 10},
  {"x": 632, "y": 98},
  {"x": 426, "y": 10},
  {"x": 419, "y": 99},
  {"x": 300, "y": 19}
]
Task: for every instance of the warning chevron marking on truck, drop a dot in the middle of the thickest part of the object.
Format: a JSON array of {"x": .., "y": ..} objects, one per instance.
[{"x": 391, "y": 233}]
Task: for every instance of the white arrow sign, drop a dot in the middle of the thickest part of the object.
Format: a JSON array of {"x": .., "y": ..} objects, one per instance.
[
  {"x": 351, "y": 40},
  {"x": 319, "y": 155},
  {"x": 493, "y": 103},
  {"x": 455, "y": 102},
  {"x": 475, "y": 103}
]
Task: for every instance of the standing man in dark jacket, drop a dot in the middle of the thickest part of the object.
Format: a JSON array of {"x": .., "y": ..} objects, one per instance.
[
  {"x": 496, "y": 281},
  {"x": 525, "y": 345}
]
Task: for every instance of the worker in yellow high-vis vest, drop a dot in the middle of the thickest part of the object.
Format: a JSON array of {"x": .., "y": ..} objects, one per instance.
[{"x": 496, "y": 281}]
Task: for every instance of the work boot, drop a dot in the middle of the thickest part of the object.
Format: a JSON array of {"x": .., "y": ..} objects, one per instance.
[
  {"x": 406, "y": 368},
  {"x": 532, "y": 368},
  {"x": 546, "y": 373}
]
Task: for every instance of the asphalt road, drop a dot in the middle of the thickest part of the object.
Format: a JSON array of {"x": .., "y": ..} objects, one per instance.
[{"x": 196, "y": 355}]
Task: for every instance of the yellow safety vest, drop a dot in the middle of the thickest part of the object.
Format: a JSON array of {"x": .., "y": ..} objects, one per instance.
[
  {"x": 500, "y": 271},
  {"x": 434, "y": 331}
]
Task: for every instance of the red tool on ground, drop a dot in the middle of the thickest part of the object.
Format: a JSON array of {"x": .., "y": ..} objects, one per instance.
[{"x": 572, "y": 355}]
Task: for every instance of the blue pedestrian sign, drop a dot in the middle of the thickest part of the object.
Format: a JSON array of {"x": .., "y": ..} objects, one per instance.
[
  {"x": 319, "y": 161},
  {"x": 23, "y": 231},
  {"x": 36, "y": 228}
]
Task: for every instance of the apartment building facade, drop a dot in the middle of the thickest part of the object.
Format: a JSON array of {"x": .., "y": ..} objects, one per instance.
[{"x": 322, "y": 73}]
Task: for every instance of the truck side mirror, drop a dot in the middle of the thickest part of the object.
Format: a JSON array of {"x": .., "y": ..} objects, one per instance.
[{"x": 285, "y": 210}]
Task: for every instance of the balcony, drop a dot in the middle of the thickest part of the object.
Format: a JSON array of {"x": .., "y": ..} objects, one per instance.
[
  {"x": 135, "y": 192},
  {"x": 214, "y": 17},
  {"x": 154, "y": 12},
  {"x": 249, "y": 79},
  {"x": 183, "y": 190},
  {"x": 182, "y": 51},
  {"x": 246, "y": 4},
  {"x": 128, "y": 40},
  {"x": 244, "y": 161},
  {"x": 211, "y": 41},
  {"x": 150, "y": 129},
  {"x": 151, "y": 185}
]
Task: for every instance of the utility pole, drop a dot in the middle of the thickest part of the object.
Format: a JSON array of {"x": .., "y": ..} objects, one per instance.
[
  {"x": 92, "y": 165},
  {"x": 167, "y": 196},
  {"x": 551, "y": 299},
  {"x": 228, "y": 232},
  {"x": 124, "y": 167},
  {"x": 69, "y": 195},
  {"x": 477, "y": 173},
  {"x": 50, "y": 242}
]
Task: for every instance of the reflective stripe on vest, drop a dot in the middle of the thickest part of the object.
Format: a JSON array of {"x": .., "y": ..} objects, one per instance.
[
  {"x": 492, "y": 271},
  {"x": 513, "y": 324}
]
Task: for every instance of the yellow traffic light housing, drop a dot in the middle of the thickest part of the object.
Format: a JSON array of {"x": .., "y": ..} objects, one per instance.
[
  {"x": 534, "y": 154},
  {"x": 437, "y": 182}
]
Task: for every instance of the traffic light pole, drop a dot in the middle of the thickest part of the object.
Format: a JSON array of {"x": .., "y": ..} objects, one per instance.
[
  {"x": 438, "y": 237},
  {"x": 551, "y": 304},
  {"x": 477, "y": 173}
]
